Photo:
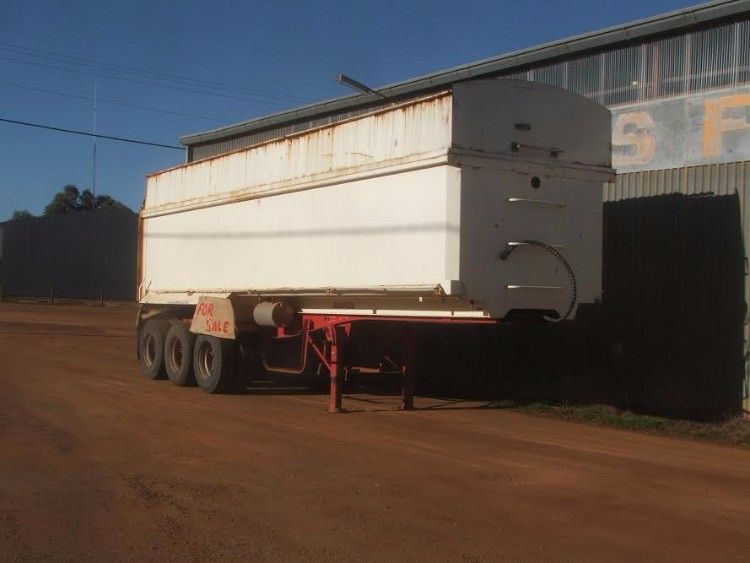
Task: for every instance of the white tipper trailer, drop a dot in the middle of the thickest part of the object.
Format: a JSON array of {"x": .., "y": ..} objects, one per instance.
[{"x": 478, "y": 204}]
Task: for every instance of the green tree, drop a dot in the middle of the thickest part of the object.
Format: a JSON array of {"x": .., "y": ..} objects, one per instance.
[
  {"x": 21, "y": 214},
  {"x": 86, "y": 200},
  {"x": 64, "y": 201},
  {"x": 104, "y": 200},
  {"x": 71, "y": 199}
]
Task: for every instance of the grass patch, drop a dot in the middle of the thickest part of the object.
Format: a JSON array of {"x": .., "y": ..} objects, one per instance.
[{"x": 733, "y": 431}]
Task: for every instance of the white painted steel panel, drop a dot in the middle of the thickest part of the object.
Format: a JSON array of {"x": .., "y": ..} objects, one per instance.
[
  {"x": 406, "y": 209},
  {"x": 537, "y": 119},
  {"x": 499, "y": 206},
  {"x": 383, "y": 232}
]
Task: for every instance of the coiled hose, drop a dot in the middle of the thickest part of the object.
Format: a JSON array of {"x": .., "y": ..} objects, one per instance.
[{"x": 571, "y": 275}]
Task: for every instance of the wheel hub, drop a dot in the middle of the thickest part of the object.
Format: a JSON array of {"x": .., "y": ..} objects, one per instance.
[{"x": 205, "y": 359}]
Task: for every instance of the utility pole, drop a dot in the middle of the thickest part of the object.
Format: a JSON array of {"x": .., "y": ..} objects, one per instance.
[
  {"x": 93, "y": 183},
  {"x": 93, "y": 144}
]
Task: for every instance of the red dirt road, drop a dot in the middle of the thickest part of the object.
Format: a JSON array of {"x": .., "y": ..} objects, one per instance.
[{"x": 96, "y": 462}]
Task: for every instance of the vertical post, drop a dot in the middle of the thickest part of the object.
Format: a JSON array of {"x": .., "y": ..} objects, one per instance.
[
  {"x": 101, "y": 296},
  {"x": 2, "y": 292},
  {"x": 336, "y": 371},
  {"x": 408, "y": 368},
  {"x": 51, "y": 293},
  {"x": 93, "y": 144}
]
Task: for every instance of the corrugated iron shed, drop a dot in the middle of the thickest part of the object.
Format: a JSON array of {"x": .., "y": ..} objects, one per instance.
[{"x": 316, "y": 113}]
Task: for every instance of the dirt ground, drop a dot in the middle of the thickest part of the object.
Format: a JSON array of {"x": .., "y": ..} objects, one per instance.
[{"x": 96, "y": 462}]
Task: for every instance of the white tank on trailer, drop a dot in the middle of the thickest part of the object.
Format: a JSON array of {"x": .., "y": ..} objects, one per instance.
[{"x": 472, "y": 202}]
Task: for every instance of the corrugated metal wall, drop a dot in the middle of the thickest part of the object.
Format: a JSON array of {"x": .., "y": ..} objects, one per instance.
[
  {"x": 78, "y": 254},
  {"x": 707, "y": 59},
  {"x": 713, "y": 179}
]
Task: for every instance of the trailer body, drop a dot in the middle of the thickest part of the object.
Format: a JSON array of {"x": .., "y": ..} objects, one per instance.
[
  {"x": 403, "y": 211},
  {"x": 472, "y": 204}
]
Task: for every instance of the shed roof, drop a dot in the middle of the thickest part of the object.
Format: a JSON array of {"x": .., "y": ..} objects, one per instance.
[{"x": 669, "y": 22}]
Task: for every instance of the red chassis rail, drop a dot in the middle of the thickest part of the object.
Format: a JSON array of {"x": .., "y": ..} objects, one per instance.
[{"x": 336, "y": 331}]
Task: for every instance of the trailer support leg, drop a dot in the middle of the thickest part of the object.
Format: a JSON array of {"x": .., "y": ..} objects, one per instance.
[
  {"x": 336, "y": 369},
  {"x": 407, "y": 372}
]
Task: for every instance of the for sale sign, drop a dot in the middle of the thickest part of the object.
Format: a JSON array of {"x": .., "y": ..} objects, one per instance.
[{"x": 214, "y": 316}]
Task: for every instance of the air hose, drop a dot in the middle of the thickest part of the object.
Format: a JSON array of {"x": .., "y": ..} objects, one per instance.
[{"x": 571, "y": 275}]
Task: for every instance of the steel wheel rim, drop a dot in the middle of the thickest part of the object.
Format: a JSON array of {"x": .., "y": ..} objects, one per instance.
[
  {"x": 176, "y": 355},
  {"x": 149, "y": 349},
  {"x": 205, "y": 359}
]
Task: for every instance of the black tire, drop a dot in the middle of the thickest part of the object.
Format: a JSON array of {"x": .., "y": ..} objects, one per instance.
[
  {"x": 178, "y": 354},
  {"x": 215, "y": 364},
  {"x": 151, "y": 348}
]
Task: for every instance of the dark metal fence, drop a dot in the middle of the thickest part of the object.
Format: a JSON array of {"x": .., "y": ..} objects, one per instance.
[{"x": 84, "y": 255}]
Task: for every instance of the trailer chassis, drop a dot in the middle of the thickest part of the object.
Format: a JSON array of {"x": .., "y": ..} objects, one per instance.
[{"x": 327, "y": 337}]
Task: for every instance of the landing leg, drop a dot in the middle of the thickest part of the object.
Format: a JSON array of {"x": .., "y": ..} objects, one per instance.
[
  {"x": 407, "y": 372},
  {"x": 336, "y": 371}
]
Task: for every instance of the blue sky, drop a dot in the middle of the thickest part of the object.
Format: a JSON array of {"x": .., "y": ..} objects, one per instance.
[{"x": 274, "y": 55}]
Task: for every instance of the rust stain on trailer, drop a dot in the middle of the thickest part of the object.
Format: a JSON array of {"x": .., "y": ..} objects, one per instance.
[
  {"x": 389, "y": 137},
  {"x": 257, "y": 191},
  {"x": 329, "y": 127}
]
